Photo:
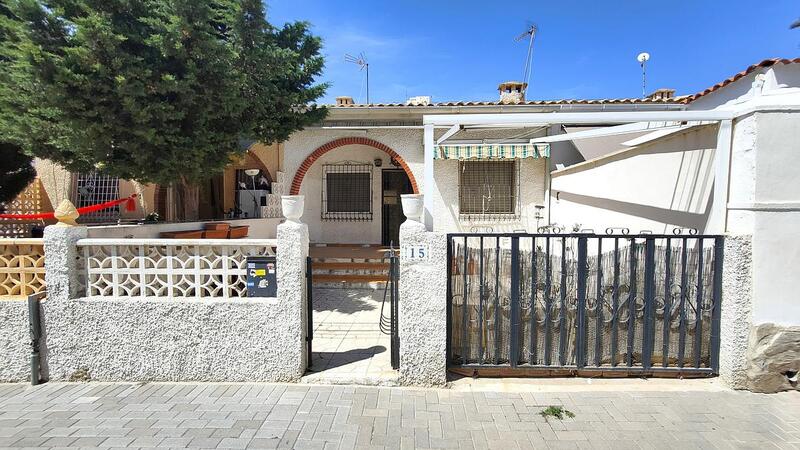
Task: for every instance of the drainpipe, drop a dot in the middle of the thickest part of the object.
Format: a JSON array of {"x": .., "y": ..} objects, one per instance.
[{"x": 34, "y": 319}]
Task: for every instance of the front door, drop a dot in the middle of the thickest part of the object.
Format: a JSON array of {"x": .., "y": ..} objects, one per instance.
[{"x": 394, "y": 183}]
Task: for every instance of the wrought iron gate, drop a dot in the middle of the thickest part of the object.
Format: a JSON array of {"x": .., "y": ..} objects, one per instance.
[
  {"x": 394, "y": 295},
  {"x": 560, "y": 304},
  {"x": 310, "y": 309}
]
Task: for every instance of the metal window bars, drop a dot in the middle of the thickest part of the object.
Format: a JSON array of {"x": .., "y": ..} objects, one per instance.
[
  {"x": 347, "y": 191},
  {"x": 92, "y": 188},
  {"x": 488, "y": 190}
]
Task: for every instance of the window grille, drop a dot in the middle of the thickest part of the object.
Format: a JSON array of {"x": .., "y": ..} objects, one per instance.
[
  {"x": 92, "y": 188},
  {"x": 347, "y": 191},
  {"x": 488, "y": 189}
]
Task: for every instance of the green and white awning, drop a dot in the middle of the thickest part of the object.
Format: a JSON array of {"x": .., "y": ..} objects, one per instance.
[{"x": 491, "y": 151}]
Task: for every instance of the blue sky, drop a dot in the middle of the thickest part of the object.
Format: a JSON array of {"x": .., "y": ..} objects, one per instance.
[{"x": 461, "y": 50}]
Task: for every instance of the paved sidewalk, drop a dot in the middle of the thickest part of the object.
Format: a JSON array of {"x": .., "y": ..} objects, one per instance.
[
  {"x": 348, "y": 345},
  {"x": 299, "y": 416}
]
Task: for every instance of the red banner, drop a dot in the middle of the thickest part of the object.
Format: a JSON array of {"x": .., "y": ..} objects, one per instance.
[{"x": 130, "y": 205}]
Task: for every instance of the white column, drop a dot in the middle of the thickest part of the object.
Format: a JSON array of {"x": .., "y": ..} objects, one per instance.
[
  {"x": 292, "y": 308},
  {"x": 717, "y": 218},
  {"x": 427, "y": 183},
  {"x": 423, "y": 306},
  {"x": 62, "y": 274}
]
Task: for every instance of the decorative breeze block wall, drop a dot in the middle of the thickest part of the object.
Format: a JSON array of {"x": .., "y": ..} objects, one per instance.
[
  {"x": 21, "y": 267},
  {"x": 169, "y": 268}
]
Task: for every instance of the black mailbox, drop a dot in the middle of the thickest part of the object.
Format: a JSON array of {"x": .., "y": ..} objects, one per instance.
[{"x": 262, "y": 278}]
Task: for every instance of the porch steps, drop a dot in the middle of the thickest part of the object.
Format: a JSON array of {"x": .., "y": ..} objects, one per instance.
[
  {"x": 350, "y": 267},
  {"x": 350, "y": 278}
]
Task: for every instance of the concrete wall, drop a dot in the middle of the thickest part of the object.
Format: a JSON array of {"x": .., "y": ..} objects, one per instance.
[
  {"x": 422, "y": 318},
  {"x": 256, "y": 339},
  {"x": 15, "y": 341},
  {"x": 776, "y": 220},
  {"x": 656, "y": 186}
]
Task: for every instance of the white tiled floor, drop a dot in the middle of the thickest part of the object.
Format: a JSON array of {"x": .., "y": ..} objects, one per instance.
[{"x": 348, "y": 345}]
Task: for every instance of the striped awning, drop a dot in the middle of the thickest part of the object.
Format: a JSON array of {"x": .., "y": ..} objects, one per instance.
[{"x": 491, "y": 151}]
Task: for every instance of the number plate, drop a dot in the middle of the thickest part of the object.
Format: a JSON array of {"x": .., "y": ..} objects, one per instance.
[{"x": 415, "y": 252}]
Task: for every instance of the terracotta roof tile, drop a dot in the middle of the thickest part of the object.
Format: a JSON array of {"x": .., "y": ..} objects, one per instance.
[
  {"x": 680, "y": 99},
  {"x": 742, "y": 74},
  {"x": 604, "y": 101}
]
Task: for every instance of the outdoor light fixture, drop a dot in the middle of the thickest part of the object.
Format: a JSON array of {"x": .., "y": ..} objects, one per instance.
[{"x": 252, "y": 174}]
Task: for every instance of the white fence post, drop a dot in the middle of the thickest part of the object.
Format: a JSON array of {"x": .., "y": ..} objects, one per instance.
[
  {"x": 62, "y": 271},
  {"x": 422, "y": 305},
  {"x": 291, "y": 267}
]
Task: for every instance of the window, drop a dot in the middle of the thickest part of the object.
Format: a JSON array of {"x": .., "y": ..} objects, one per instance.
[
  {"x": 93, "y": 188},
  {"x": 488, "y": 188},
  {"x": 347, "y": 191}
]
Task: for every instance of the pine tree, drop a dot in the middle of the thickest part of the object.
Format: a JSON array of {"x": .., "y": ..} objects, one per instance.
[
  {"x": 159, "y": 90},
  {"x": 16, "y": 168}
]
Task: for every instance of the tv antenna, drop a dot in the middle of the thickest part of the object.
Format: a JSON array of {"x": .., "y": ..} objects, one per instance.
[
  {"x": 361, "y": 62},
  {"x": 643, "y": 58},
  {"x": 529, "y": 34}
]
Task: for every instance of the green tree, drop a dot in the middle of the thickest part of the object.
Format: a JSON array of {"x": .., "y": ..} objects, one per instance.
[
  {"x": 16, "y": 168},
  {"x": 159, "y": 90},
  {"x": 16, "y": 171}
]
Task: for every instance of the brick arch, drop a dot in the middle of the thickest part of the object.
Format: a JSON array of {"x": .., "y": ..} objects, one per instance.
[{"x": 316, "y": 154}]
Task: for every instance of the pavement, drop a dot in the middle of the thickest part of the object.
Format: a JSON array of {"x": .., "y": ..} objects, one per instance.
[
  {"x": 349, "y": 346},
  {"x": 468, "y": 416}
]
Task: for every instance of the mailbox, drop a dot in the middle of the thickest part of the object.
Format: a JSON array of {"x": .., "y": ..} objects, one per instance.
[{"x": 262, "y": 278}]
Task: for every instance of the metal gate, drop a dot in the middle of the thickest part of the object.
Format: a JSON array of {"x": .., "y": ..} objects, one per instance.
[
  {"x": 584, "y": 304},
  {"x": 309, "y": 309},
  {"x": 388, "y": 324}
]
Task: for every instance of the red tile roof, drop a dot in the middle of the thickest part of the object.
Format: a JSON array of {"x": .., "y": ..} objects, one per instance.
[
  {"x": 604, "y": 101},
  {"x": 681, "y": 99},
  {"x": 742, "y": 74}
]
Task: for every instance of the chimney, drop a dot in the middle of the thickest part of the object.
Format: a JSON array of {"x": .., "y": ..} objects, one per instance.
[
  {"x": 419, "y": 100},
  {"x": 344, "y": 101},
  {"x": 662, "y": 94},
  {"x": 512, "y": 92}
]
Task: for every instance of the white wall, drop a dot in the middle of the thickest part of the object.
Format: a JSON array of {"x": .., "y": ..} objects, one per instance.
[
  {"x": 776, "y": 247},
  {"x": 656, "y": 187},
  {"x": 406, "y": 142},
  {"x": 335, "y": 231},
  {"x": 259, "y": 229},
  {"x": 533, "y": 183}
]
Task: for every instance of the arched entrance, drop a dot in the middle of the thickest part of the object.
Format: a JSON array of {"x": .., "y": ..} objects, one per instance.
[{"x": 316, "y": 154}]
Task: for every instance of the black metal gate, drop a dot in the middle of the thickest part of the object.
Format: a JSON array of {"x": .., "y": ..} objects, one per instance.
[
  {"x": 583, "y": 304},
  {"x": 394, "y": 295},
  {"x": 309, "y": 309}
]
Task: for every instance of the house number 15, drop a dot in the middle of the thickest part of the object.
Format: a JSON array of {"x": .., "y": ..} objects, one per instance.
[{"x": 415, "y": 251}]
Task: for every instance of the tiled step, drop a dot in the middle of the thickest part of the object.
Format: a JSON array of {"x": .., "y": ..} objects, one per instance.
[
  {"x": 350, "y": 278},
  {"x": 375, "y": 266}
]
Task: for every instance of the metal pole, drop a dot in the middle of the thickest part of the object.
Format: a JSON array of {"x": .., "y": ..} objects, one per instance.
[
  {"x": 581, "y": 322},
  {"x": 34, "y": 320}
]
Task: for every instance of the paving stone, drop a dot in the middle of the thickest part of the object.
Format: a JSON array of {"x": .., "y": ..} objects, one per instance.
[{"x": 257, "y": 415}]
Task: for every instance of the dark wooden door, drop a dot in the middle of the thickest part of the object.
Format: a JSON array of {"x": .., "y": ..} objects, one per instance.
[{"x": 394, "y": 183}]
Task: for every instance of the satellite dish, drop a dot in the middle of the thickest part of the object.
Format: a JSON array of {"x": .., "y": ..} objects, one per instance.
[{"x": 643, "y": 58}]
